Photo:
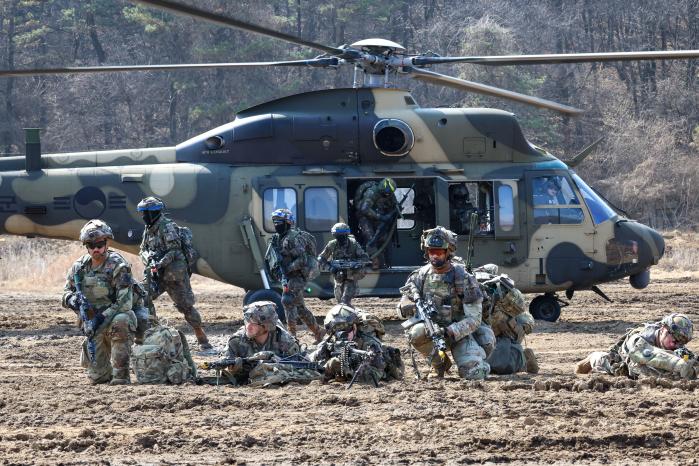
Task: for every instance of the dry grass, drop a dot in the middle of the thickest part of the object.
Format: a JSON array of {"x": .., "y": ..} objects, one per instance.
[{"x": 39, "y": 264}]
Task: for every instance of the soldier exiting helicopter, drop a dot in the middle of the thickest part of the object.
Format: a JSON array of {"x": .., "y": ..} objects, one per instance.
[
  {"x": 291, "y": 258},
  {"x": 346, "y": 260},
  {"x": 166, "y": 264},
  {"x": 377, "y": 209},
  {"x": 460, "y": 209}
]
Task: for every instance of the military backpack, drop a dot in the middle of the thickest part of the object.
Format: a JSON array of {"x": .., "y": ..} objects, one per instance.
[
  {"x": 187, "y": 243},
  {"x": 163, "y": 357}
]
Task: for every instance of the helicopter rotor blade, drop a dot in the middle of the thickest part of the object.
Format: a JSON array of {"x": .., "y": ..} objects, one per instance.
[
  {"x": 236, "y": 23},
  {"x": 327, "y": 62},
  {"x": 462, "y": 84},
  {"x": 561, "y": 58}
]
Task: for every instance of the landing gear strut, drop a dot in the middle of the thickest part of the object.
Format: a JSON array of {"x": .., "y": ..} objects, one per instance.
[{"x": 546, "y": 307}]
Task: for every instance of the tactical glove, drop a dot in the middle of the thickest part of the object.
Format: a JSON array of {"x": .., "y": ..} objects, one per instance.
[{"x": 73, "y": 302}]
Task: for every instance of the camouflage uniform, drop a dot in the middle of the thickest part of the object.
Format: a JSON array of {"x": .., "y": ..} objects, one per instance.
[
  {"x": 161, "y": 241},
  {"x": 108, "y": 289},
  {"x": 460, "y": 209},
  {"x": 504, "y": 310},
  {"x": 345, "y": 280},
  {"x": 279, "y": 342},
  {"x": 376, "y": 207},
  {"x": 638, "y": 354},
  {"x": 295, "y": 258},
  {"x": 457, "y": 297},
  {"x": 334, "y": 353},
  {"x": 143, "y": 309}
]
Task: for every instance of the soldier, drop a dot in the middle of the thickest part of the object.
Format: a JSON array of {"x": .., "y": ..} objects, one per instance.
[
  {"x": 166, "y": 265},
  {"x": 291, "y": 259},
  {"x": 504, "y": 310},
  {"x": 654, "y": 349},
  {"x": 260, "y": 337},
  {"x": 101, "y": 282},
  {"x": 460, "y": 209},
  {"x": 377, "y": 209},
  {"x": 346, "y": 260},
  {"x": 457, "y": 298},
  {"x": 350, "y": 342}
]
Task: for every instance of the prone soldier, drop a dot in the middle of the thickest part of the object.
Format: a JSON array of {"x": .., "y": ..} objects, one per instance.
[
  {"x": 291, "y": 258},
  {"x": 98, "y": 289},
  {"x": 167, "y": 269},
  {"x": 260, "y": 339},
  {"x": 442, "y": 303},
  {"x": 353, "y": 350},
  {"x": 346, "y": 260},
  {"x": 654, "y": 349}
]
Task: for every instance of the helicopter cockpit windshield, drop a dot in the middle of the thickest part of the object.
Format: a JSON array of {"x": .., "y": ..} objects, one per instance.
[{"x": 599, "y": 209}]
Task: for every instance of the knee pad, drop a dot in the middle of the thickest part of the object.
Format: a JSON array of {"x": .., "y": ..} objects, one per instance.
[{"x": 474, "y": 370}]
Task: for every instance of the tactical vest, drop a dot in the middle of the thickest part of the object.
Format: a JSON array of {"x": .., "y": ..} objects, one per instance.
[
  {"x": 447, "y": 291},
  {"x": 97, "y": 283}
]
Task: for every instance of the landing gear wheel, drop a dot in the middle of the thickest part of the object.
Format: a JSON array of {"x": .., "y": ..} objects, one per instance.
[
  {"x": 266, "y": 295},
  {"x": 545, "y": 307}
]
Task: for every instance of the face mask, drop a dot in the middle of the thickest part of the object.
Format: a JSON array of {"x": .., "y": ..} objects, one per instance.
[
  {"x": 281, "y": 228},
  {"x": 150, "y": 216},
  {"x": 342, "y": 240}
]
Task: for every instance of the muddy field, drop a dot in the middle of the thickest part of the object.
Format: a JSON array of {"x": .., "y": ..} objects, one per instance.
[{"x": 50, "y": 414}]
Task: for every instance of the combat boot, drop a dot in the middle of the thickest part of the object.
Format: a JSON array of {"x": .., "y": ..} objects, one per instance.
[
  {"x": 532, "y": 366},
  {"x": 584, "y": 366},
  {"x": 202, "y": 339},
  {"x": 120, "y": 377}
]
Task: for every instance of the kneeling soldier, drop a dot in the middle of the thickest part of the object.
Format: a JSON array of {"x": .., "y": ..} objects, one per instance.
[
  {"x": 451, "y": 300},
  {"x": 98, "y": 289},
  {"x": 346, "y": 260}
]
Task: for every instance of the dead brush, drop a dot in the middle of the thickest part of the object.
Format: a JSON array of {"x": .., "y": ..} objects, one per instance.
[{"x": 39, "y": 264}]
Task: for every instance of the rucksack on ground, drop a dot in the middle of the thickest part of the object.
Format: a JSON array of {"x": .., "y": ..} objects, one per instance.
[
  {"x": 187, "y": 242},
  {"x": 164, "y": 357}
]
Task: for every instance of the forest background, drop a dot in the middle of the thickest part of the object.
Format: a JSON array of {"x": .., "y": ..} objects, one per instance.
[{"x": 648, "y": 112}]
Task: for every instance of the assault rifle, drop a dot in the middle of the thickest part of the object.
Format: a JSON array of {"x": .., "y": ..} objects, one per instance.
[
  {"x": 89, "y": 326},
  {"x": 274, "y": 262},
  {"x": 425, "y": 309},
  {"x": 151, "y": 273},
  {"x": 343, "y": 265},
  {"x": 297, "y": 361},
  {"x": 366, "y": 358},
  {"x": 383, "y": 229}
]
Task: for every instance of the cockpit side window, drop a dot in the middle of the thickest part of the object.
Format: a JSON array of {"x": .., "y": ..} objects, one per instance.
[
  {"x": 550, "y": 194},
  {"x": 599, "y": 209},
  {"x": 277, "y": 198}
]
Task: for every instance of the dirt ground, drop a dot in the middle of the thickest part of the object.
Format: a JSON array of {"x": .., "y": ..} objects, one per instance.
[{"x": 50, "y": 414}]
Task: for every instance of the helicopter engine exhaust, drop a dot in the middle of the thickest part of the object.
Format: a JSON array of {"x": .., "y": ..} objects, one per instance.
[{"x": 393, "y": 137}]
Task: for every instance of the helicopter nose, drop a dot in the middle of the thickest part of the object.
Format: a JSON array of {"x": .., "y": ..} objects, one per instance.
[{"x": 642, "y": 246}]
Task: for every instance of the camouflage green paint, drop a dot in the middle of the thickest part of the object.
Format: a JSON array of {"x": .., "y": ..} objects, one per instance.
[{"x": 214, "y": 181}]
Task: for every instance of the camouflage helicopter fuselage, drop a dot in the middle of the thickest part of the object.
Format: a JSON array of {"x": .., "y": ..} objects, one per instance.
[{"x": 313, "y": 150}]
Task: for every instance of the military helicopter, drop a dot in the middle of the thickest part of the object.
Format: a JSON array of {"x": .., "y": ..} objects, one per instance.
[{"x": 537, "y": 219}]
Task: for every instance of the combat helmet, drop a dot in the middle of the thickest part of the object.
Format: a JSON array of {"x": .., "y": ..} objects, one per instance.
[
  {"x": 150, "y": 203},
  {"x": 95, "y": 230},
  {"x": 387, "y": 185},
  {"x": 459, "y": 192},
  {"x": 439, "y": 238},
  {"x": 679, "y": 326},
  {"x": 340, "y": 229},
  {"x": 340, "y": 318},
  {"x": 283, "y": 216},
  {"x": 262, "y": 313}
]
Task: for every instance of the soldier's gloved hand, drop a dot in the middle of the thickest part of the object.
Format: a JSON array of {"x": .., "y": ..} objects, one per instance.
[
  {"x": 236, "y": 367},
  {"x": 683, "y": 369},
  {"x": 262, "y": 356},
  {"x": 73, "y": 302}
]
